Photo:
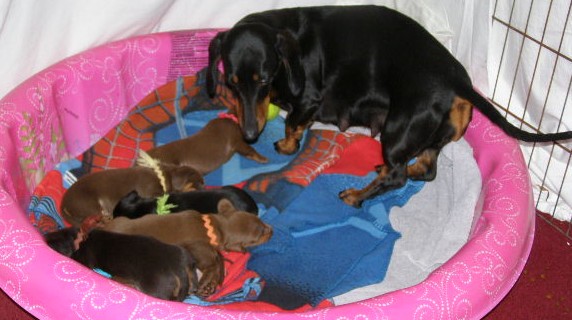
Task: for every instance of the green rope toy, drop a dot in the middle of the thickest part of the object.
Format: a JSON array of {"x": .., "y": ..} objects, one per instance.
[{"x": 163, "y": 207}]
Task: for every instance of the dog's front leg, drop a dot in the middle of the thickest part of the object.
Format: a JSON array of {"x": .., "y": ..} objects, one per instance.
[
  {"x": 424, "y": 168},
  {"x": 296, "y": 123},
  {"x": 387, "y": 179}
]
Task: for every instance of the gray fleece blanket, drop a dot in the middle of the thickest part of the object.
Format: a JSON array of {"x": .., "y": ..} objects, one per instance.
[{"x": 434, "y": 224}]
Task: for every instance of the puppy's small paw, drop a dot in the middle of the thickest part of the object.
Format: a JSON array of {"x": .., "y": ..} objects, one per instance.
[
  {"x": 258, "y": 158},
  {"x": 206, "y": 289},
  {"x": 351, "y": 197},
  {"x": 287, "y": 146},
  {"x": 208, "y": 284}
]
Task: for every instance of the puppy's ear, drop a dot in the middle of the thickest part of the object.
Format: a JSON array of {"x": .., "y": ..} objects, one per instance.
[
  {"x": 131, "y": 197},
  {"x": 289, "y": 52},
  {"x": 62, "y": 240},
  {"x": 214, "y": 58},
  {"x": 225, "y": 206}
]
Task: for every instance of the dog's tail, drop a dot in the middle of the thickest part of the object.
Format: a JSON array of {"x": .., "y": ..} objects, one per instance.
[{"x": 497, "y": 118}]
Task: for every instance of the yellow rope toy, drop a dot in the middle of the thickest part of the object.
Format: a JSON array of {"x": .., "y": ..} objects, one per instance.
[{"x": 145, "y": 160}]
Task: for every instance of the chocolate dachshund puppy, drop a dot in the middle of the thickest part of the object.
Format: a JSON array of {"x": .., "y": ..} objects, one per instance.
[
  {"x": 353, "y": 66},
  {"x": 207, "y": 149},
  {"x": 134, "y": 206}
]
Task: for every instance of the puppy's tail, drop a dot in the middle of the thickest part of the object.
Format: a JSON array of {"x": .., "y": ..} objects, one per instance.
[
  {"x": 497, "y": 118},
  {"x": 145, "y": 160}
]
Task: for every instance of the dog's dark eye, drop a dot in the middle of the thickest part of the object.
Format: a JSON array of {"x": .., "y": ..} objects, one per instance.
[{"x": 262, "y": 80}]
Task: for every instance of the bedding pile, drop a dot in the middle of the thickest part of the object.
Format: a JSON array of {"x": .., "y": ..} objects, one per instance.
[{"x": 322, "y": 250}]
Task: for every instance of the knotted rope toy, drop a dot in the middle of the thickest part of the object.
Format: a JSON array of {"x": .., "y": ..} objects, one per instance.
[
  {"x": 145, "y": 160},
  {"x": 163, "y": 207},
  {"x": 210, "y": 230}
]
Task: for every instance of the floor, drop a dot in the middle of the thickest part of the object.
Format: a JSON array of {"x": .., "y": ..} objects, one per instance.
[{"x": 542, "y": 291}]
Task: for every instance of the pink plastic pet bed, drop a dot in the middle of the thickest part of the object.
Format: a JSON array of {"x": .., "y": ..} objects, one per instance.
[{"x": 65, "y": 109}]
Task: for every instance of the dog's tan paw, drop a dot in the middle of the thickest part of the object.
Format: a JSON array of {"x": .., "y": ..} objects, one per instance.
[
  {"x": 207, "y": 285},
  {"x": 351, "y": 197},
  {"x": 287, "y": 146}
]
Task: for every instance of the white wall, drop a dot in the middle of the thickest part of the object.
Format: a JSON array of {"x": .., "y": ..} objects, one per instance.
[{"x": 36, "y": 33}]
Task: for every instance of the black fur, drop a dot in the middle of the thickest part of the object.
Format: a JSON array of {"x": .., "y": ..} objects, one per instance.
[
  {"x": 353, "y": 66},
  {"x": 153, "y": 267},
  {"x": 62, "y": 240},
  {"x": 134, "y": 206}
]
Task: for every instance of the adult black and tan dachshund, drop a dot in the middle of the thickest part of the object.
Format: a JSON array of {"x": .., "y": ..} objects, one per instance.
[{"x": 353, "y": 66}]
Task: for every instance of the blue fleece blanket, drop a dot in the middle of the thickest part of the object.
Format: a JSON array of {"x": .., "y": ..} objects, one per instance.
[{"x": 322, "y": 247}]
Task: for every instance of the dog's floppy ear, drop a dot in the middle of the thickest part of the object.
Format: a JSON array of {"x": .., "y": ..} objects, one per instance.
[
  {"x": 225, "y": 206},
  {"x": 131, "y": 197},
  {"x": 214, "y": 58},
  {"x": 289, "y": 52}
]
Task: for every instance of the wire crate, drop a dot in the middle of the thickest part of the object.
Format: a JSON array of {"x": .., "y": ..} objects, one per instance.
[{"x": 530, "y": 60}]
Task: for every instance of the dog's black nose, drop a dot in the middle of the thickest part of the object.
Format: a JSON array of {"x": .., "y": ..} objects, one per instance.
[{"x": 250, "y": 136}]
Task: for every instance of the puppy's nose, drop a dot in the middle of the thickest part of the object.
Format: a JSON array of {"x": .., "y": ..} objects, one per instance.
[
  {"x": 250, "y": 136},
  {"x": 268, "y": 230}
]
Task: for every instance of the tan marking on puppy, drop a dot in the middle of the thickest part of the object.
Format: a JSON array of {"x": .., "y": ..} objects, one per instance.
[{"x": 460, "y": 116}]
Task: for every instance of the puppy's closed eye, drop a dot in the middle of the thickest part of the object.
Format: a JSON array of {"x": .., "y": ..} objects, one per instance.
[{"x": 263, "y": 231}]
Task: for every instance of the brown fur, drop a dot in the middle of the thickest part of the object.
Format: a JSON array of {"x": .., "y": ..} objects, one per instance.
[
  {"x": 235, "y": 231},
  {"x": 97, "y": 193},
  {"x": 209, "y": 148}
]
